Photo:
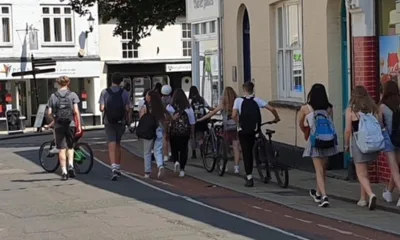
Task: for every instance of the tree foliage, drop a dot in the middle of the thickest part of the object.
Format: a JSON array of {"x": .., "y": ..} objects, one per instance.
[{"x": 140, "y": 16}]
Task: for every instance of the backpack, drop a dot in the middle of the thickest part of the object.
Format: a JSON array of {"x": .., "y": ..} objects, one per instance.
[
  {"x": 369, "y": 137},
  {"x": 250, "y": 116},
  {"x": 323, "y": 134},
  {"x": 115, "y": 107},
  {"x": 395, "y": 135},
  {"x": 64, "y": 112},
  {"x": 147, "y": 126},
  {"x": 228, "y": 123},
  {"x": 180, "y": 126},
  {"x": 198, "y": 107}
]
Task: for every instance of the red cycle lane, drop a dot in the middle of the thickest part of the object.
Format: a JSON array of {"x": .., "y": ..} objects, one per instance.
[{"x": 262, "y": 211}]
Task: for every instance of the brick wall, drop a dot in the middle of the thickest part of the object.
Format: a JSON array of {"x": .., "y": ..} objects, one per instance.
[{"x": 365, "y": 70}]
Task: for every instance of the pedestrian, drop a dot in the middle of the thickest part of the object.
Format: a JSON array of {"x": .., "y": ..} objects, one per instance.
[
  {"x": 390, "y": 109},
  {"x": 158, "y": 88},
  {"x": 229, "y": 124},
  {"x": 246, "y": 111},
  {"x": 199, "y": 106},
  {"x": 181, "y": 129},
  {"x": 166, "y": 92},
  {"x": 153, "y": 116},
  {"x": 63, "y": 107},
  {"x": 115, "y": 104},
  {"x": 143, "y": 100},
  {"x": 361, "y": 105},
  {"x": 315, "y": 121}
]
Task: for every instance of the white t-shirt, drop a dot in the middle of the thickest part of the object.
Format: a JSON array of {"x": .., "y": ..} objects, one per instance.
[
  {"x": 237, "y": 104},
  {"x": 205, "y": 103},
  {"x": 140, "y": 104},
  {"x": 189, "y": 112}
]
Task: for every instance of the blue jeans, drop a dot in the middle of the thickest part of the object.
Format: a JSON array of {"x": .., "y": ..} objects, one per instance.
[{"x": 157, "y": 147}]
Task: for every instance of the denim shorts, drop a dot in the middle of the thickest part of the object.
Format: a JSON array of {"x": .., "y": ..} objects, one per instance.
[{"x": 389, "y": 147}]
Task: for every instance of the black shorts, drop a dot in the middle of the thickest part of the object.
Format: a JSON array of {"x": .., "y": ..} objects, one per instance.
[{"x": 65, "y": 137}]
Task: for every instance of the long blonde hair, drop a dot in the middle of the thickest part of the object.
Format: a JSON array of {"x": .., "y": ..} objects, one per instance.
[
  {"x": 229, "y": 97},
  {"x": 361, "y": 101}
]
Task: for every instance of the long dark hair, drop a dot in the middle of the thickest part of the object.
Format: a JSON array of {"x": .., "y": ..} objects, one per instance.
[
  {"x": 194, "y": 95},
  {"x": 391, "y": 96},
  {"x": 317, "y": 97},
  {"x": 157, "y": 107},
  {"x": 157, "y": 88},
  {"x": 180, "y": 100},
  {"x": 145, "y": 92}
]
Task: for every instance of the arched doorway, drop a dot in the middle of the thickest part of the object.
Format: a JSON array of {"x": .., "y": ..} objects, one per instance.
[{"x": 246, "y": 47}]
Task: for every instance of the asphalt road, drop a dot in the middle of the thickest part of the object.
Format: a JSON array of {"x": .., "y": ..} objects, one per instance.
[{"x": 224, "y": 209}]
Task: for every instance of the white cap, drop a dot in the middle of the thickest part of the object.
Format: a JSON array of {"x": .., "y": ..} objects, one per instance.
[{"x": 166, "y": 90}]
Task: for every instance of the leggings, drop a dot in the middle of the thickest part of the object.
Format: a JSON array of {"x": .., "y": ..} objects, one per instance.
[
  {"x": 179, "y": 150},
  {"x": 247, "y": 143}
]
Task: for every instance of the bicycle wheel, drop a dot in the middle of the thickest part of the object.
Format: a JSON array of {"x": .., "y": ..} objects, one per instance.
[
  {"x": 83, "y": 158},
  {"x": 208, "y": 154},
  {"x": 48, "y": 161},
  {"x": 133, "y": 125},
  {"x": 222, "y": 156},
  {"x": 282, "y": 173},
  {"x": 260, "y": 155}
]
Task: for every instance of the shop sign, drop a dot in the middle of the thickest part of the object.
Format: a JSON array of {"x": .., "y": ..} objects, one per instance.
[
  {"x": 200, "y": 10},
  {"x": 13, "y": 121},
  {"x": 73, "y": 69},
  {"x": 187, "y": 67}
]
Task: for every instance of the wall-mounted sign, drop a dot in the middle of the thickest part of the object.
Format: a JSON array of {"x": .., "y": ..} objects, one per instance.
[
  {"x": 201, "y": 10},
  {"x": 14, "y": 123},
  {"x": 186, "y": 67}
]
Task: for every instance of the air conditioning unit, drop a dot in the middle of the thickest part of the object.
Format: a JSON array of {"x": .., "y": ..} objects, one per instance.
[{"x": 353, "y": 6}]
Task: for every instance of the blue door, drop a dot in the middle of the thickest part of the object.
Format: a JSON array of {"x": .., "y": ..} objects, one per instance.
[{"x": 246, "y": 47}]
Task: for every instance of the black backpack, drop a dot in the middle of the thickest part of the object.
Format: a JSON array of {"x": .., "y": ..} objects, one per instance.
[
  {"x": 147, "y": 126},
  {"x": 115, "y": 107},
  {"x": 395, "y": 135},
  {"x": 180, "y": 127},
  {"x": 64, "y": 112},
  {"x": 198, "y": 107},
  {"x": 250, "y": 116}
]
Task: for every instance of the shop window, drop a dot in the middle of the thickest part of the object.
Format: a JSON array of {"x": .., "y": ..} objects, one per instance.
[
  {"x": 203, "y": 28},
  {"x": 213, "y": 26},
  {"x": 186, "y": 40},
  {"x": 5, "y": 31},
  {"x": 57, "y": 25},
  {"x": 289, "y": 54},
  {"x": 128, "y": 49}
]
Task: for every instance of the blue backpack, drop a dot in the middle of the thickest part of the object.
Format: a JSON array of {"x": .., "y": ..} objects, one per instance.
[{"x": 323, "y": 134}]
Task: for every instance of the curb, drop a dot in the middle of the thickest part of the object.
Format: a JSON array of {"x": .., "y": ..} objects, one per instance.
[
  {"x": 386, "y": 209},
  {"x": 36, "y": 134}
]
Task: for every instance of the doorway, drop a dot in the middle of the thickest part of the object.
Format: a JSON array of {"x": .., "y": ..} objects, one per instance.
[{"x": 246, "y": 47}]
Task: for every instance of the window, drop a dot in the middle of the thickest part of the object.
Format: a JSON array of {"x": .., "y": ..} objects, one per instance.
[
  {"x": 186, "y": 40},
  {"x": 57, "y": 25},
  {"x": 289, "y": 45},
  {"x": 128, "y": 50},
  {"x": 5, "y": 30},
  {"x": 203, "y": 28},
  {"x": 212, "y": 26}
]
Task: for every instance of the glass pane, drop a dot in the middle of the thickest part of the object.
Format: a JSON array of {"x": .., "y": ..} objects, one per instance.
[
  {"x": 45, "y": 10},
  {"x": 57, "y": 30},
  {"x": 124, "y": 54},
  {"x": 280, "y": 27},
  {"x": 281, "y": 70},
  {"x": 189, "y": 34},
  {"x": 292, "y": 27},
  {"x": 190, "y": 52},
  {"x": 68, "y": 29},
  {"x": 67, "y": 10},
  {"x": 56, "y": 10},
  {"x": 130, "y": 35},
  {"x": 136, "y": 54},
  {"x": 130, "y": 54},
  {"x": 297, "y": 67},
  {"x": 196, "y": 28},
  {"x": 184, "y": 34},
  {"x": 124, "y": 46},
  {"x": 5, "y": 10},
  {"x": 184, "y": 26},
  {"x": 185, "y": 52},
  {"x": 46, "y": 29},
  {"x": 185, "y": 45},
  {"x": 212, "y": 27},
  {"x": 203, "y": 28},
  {"x": 6, "y": 30}
]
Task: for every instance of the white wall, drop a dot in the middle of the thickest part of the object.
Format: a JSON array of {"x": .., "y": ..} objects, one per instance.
[{"x": 29, "y": 12}]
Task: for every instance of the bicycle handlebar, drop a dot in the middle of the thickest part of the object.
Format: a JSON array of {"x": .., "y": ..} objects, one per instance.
[{"x": 268, "y": 123}]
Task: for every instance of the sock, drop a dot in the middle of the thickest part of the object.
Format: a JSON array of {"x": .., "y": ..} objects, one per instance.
[
  {"x": 249, "y": 177},
  {"x": 117, "y": 166},
  {"x": 170, "y": 154},
  {"x": 165, "y": 158},
  {"x": 70, "y": 165},
  {"x": 63, "y": 170}
]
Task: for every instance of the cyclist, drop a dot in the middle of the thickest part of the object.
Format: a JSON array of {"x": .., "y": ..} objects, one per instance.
[
  {"x": 63, "y": 106},
  {"x": 229, "y": 124},
  {"x": 199, "y": 106},
  {"x": 246, "y": 110}
]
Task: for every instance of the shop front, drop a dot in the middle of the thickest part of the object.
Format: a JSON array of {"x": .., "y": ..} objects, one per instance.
[
  {"x": 20, "y": 93},
  {"x": 206, "y": 20}
]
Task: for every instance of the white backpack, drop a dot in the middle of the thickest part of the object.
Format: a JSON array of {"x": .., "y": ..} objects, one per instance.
[{"x": 369, "y": 137}]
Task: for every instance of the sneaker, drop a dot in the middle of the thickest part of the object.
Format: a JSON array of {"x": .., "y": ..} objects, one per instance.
[
  {"x": 236, "y": 169},
  {"x": 249, "y": 182},
  {"x": 71, "y": 172},
  {"x": 115, "y": 174},
  {"x": 317, "y": 198},
  {"x": 160, "y": 172},
  {"x": 362, "y": 203},
  {"x": 372, "y": 202},
  {"x": 64, "y": 177},
  {"x": 181, "y": 173},
  {"x": 387, "y": 196},
  {"x": 54, "y": 150},
  {"x": 324, "y": 202},
  {"x": 398, "y": 203},
  {"x": 147, "y": 175},
  {"x": 176, "y": 166}
]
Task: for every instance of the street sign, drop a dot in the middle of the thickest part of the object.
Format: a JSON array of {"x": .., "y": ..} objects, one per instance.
[
  {"x": 13, "y": 121},
  {"x": 40, "y": 116}
]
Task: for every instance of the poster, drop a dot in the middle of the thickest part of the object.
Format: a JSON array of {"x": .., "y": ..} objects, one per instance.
[
  {"x": 389, "y": 58},
  {"x": 14, "y": 123}
]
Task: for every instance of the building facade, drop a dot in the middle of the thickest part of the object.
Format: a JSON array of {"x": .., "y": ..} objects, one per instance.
[
  {"x": 47, "y": 29},
  {"x": 163, "y": 57}
]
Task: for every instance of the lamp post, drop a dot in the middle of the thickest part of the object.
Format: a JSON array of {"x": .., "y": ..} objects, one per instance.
[{"x": 91, "y": 23}]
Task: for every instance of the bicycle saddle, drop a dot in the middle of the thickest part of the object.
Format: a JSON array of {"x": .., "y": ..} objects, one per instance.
[{"x": 268, "y": 131}]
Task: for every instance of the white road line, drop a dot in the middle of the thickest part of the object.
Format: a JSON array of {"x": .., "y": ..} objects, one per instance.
[
  {"x": 208, "y": 206},
  {"x": 335, "y": 229}
]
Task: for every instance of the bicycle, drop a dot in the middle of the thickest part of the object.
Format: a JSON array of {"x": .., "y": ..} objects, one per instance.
[
  {"x": 83, "y": 154},
  {"x": 133, "y": 125},
  {"x": 266, "y": 158},
  {"x": 212, "y": 144}
]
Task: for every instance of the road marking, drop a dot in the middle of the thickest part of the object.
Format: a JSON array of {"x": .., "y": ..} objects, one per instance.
[
  {"x": 344, "y": 232},
  {"x": 207, "y": 206},
  {"x": 298, "y": 219}
]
